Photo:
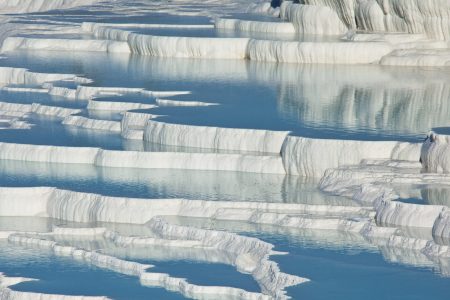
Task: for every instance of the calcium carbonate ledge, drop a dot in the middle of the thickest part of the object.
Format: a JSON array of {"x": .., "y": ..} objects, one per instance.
[{"x": 146, "y": 160}]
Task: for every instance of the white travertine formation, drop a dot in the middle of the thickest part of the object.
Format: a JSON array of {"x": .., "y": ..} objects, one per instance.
[
  {"x": 418, "y": 58},
  {"x": 145, "y": 160},
  {"x": 263, "y": 8},
  {"x": 431, "y": 17},
  {"x": 99, "y": 104},
  {"x": 173, "y": 46},
  {"x": 441, "y": 227},
  {"x": 311, "y": 157},
  {"x": 318, "y": 52},
  {"x": 10, "y": 75},
  {"x": 20, "y": 43},
  {"x": 85, "y": 207},
  {"x": 407, "y": 214},
  {"x": 64, "y": 92},
  {"x": 254, "y": 26},
  {"x": 51, "y": 154},
  {"x": 90, "y": 26},
  {"x": 344, "y": 8},
  {"x": 312, "y": 19},
  {"x": 148, "y": 278},
  {"x": 133, "y": 124},
  {"x": 190, "y": 161},
  {"x": 253, "y": 49},
  {"x": 168, "y": 102},
  {"x": 435, "y": 153},
  {"x": 170, "y": 46},
  {"x": 214, "y": 137},
  {"x": 27, "y": 6},
  {"x": 15, "y": 107},
  {"x": 89, "y": 92},
  {"x": 250, "y": 254},
  {"x": 83, "y": 122},
  {"x": 6, "y": 281},
  {"x": 373, "y": 182},
  {"x": 39, "y": 109},
  {"x": 55, "y": 111}
]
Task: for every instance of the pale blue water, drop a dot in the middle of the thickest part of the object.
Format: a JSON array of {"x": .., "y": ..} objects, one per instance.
[
  {"x": 356, "y": 274},
  {"x": 331, "y": 261},
  {"x": 269, "y": 96},
  {"x": 430, "y": 195},
  {"x": 281, "y": 104},
  {"x": 49, "y": 131},
  {"x": 141, "y": 183},
  {"x": 43, "y": 98},
  {"x": 62, "y": 275},
  {"x": 208, "y": 274},
  {"x": 341, "y": 268}
]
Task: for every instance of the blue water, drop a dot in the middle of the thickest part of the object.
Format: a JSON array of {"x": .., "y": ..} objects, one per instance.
[
  {"x": 50, "y": 131},
  {"x": 412, "y": 200},
  {"x": 341, "y": 274},
  {"x": 57, "y": 275},
  {"x": 429, "y": 195},
  {"x": 286, "y": 95},
  {"x": 42, "y": 98},
  {"x": 208, "y": 274},
  {"x": 340, "y": 268},
  {"x": 442, "y": 130},
  {"x": 141, "y": 183}
]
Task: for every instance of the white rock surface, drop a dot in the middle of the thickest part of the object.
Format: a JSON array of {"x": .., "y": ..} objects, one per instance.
[
  {"x": 431, "y": 17},
  {"x": 407, "y": 214},
  {"x": 312, "y": 19},
  {"x": 27, "y": 6},
  {"x": 318, "y": 52},
  {"x": 162, "y": 46},
  {"x": 20, "y": 43},
  {"x": 10, "y": 75},
  {"x": 168, "y": 102},
  {"x": 39, "y": 109},
  {"x": 98, "y": 104},
  {"x": 311, "y": 157},
  {"x": 254, "y": 26},
  {"x": 435, "y": 153},
  {"x": 87, "y": 123},
  {"x": 145, "y": 160},
  {"x": 214, "y": 137},
  {"x": 418, "y": 58}
]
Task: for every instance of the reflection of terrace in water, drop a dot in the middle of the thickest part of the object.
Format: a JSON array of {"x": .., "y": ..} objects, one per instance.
[
  {"x": 310, "y": 100},
  {"x": 195, "y": 176}
]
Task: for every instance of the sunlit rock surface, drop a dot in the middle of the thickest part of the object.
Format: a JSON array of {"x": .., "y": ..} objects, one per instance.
[{"x": 143, "y": 139}]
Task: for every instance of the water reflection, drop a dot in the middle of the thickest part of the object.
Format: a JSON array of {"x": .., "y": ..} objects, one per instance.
[
  {"x": 141, "y": 183},
  {"x": 324, "y": 101}
]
